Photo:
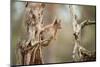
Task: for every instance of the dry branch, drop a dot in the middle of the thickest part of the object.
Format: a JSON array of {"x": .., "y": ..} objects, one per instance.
[
  {"x": 30, "y": 47},
  {"x": 86, "y": 22},
  {"x": 79, "y": 52}
]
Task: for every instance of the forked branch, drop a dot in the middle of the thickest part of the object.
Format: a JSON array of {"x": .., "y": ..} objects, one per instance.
[
  {"x": 79, "y": 52},
  {"x": 30, "y": 47}
]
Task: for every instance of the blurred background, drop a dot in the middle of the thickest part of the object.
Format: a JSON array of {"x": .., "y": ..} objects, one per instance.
[{"x": 59, "y": 50}]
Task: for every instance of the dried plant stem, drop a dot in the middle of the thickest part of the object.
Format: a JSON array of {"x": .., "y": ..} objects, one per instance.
[
  {"x": 29, "y": 48},
  {"x": 79, "y": 52}
]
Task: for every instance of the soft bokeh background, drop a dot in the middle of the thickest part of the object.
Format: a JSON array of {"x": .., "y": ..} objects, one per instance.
[{"x": 61, "y": 49}]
